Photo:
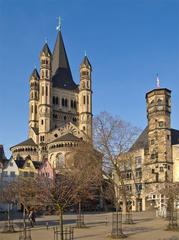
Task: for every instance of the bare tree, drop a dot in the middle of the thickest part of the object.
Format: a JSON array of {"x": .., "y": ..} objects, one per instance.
[
  {"x": 170, "y": 191},
  {"x": 58, "y": 192},
  {"x": 88, "y": 177},
  {"x": 113, "y": 137},
  {"x": 26, "y": 194},
  {"x": 9, "y": 197}
]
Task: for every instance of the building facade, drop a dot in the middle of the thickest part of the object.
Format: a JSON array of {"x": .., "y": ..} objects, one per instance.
[
  {"x": 60, "y": 111},
  {"x": 155, "y": 155}
]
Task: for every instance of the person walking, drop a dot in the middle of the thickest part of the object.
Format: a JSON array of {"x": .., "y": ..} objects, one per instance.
[{"x": 32, "y": 218}]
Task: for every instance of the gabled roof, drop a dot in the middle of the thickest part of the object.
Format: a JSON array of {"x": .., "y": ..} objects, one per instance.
[
  {"x": 37, "y": 164},
  {"x": 174, "y": 136},
  {"x": 61, "y": 72},
  {"x": 20, "y": 163},
  {"x": 86, "y": 62},
  {"x": 36, "y": 130},
  {"x": 35, "y": 74},
  {"x": 46, "y": 49},
  {"x": 67, "y": 137},
  {"x": 28, "y": 142},
  {"x": 142, "y": 141}
]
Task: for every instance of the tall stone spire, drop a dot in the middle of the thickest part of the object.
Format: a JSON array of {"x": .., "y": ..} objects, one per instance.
[{"x": 61, "y": 72}]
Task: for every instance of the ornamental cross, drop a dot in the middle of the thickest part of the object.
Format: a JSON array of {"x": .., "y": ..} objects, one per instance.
[
  {"x": 59, "y": 26},
  {"x": 158, "y": 81}
]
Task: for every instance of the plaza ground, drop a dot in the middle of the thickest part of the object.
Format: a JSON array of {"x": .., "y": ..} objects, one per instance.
[{"x": 146, "y": 227}]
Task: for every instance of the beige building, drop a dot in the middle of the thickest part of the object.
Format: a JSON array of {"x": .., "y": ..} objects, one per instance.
[
  {"x": 60, "y": 111},
  {"x": 155, "y": 154}
]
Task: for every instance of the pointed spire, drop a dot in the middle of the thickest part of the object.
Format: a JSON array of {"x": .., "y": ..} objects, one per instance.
[
  {"x": 86, "y": 62},
  {"x": 61, "y": 71},
  {"x": 46, "y": 49},
  {"x": 60, "y": 59},
  {"x": 35, "y": 74}
]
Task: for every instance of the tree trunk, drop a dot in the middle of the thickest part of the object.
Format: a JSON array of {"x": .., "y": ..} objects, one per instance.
[
  {"x": 8, "y": 215},
  {"x": 79, "y": 208},
  {"x": 61, "y": 223}
]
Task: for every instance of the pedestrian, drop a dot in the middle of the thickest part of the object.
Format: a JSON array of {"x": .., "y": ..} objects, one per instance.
[{"x": 32, "y": 218}]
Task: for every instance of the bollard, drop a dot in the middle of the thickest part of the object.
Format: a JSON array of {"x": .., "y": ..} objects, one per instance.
[
  {"x": 106, "y": 221},
  {"x": 47, "y": 225}
]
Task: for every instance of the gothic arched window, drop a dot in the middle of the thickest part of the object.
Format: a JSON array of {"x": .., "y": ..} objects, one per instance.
[
  {"x": 66, "y": 103},
  {"x": 56, "y": 100},
  {"x": 72, "y": 104},
  {"x": 53, "y": 100},
  {"x": 84, "y": 100},
  {"x": 47, "y": 74}
]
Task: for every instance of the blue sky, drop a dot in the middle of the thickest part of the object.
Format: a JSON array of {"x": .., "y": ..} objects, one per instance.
[{"x": 127, "y": 42}]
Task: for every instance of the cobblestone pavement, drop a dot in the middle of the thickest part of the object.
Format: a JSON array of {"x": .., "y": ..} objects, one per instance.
[{"x": 98, "y": 227}]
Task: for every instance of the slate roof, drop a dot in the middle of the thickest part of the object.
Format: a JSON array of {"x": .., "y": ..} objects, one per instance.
[
  {"x": 37, "y": 164},
  {"x": 28, "y": 142},
  {"x": 35, "y": 74},
  {"x": 142, "y": 141},
  {"x": 46, "y": 49},
  {"x": 61, "y": 72},
  {"x": 174, "y": 136},
  {"x": 20, "y": 163},
  {"x": 67, "y": 137},
  {"x": 86, "y": 62},
  {"x": 36, "y": 130}
]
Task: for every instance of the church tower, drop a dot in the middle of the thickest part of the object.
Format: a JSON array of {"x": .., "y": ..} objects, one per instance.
[
  {"x": 33, "y": 100},
  {"x": 159, "y": 156},
  {"x": 45, "y": 87},
  {"x": 85, "y": 98}
]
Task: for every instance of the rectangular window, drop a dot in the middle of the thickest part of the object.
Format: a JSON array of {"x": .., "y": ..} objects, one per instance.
[
  {"x": 87, "y": 99},
  {"x": 128, "y": 175},
  {"x": 84, "y": 100},
  {"x": 161, "y": 124},
  {"x": 138, "y": 161},
  {"x": 152, "y": 141},
  {"x": 129, "y": 188},
  {"x": 139, "y": 187},
  {"x": 12, "y": 174},
  {"x": 5, "y": 173},
  {"x": 46, "y": 91},
  {"x": 138, "y": 173}
]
